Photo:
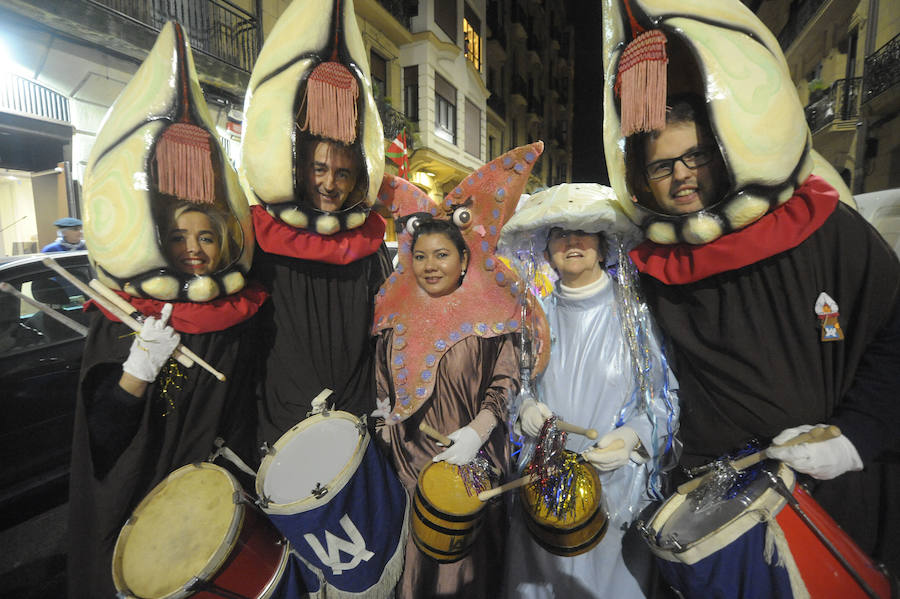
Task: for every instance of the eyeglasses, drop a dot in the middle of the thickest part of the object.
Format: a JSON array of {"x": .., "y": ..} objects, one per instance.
[{"x": 661, "y": 169}]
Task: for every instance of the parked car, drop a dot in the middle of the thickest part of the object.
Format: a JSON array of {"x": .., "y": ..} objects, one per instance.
[
  {"x": 882, "y": 209},
  {"x": 40, "y": 359}
]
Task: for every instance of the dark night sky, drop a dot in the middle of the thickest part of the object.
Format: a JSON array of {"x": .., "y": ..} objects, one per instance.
[{"x": 588, "y": 164}]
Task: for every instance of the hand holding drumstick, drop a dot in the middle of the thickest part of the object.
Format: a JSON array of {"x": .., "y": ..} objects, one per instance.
[
  {"x": 521, "y": 482},
  {"x": 814, "y": 435}
]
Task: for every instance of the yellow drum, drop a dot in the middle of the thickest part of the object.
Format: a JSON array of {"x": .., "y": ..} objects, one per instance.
[
  {"x": 196, "y": 535},
  {"x": 445, "y": 519},
  {"x": 579, "y": 529}
]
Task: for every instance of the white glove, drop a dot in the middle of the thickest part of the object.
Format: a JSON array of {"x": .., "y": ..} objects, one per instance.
[
  {"x": 611, "y": 459},
  {"x": 823, "y": 460},
  {"x": 532, "y": 417},
  {"x": 466, "y": 444},
  {"x": 152, "y": 347}
]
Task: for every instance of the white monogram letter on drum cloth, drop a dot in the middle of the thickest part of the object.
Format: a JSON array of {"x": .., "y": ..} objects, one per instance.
[{"x": 355, "y": 547}]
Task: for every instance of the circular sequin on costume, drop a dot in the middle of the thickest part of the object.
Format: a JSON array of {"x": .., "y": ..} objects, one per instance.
[
  {"x": 500, "y": 278},
  {"x": 490, "y": 263},
  {"x": 466, "y": 328},
  {"x": 481, "y": 329},
  {"x": 399, "y": 342},
  {"x": 513, "y": 324},
  {"x": 519, "y": 167},
  {"x": 440, "y": 345},
  {"x": 398, "y": 361},
  {"x": 495, "y": 213},
  {"x": 400, "y": 328},
  {"x": 499, "y": 328},
  {"x": 529, "y": 156},
  {"x": 430, "y": 359},
  {"x": 426, "y": 375},
  {"x": 454, "y": 336},
  {"x": 421, "y": 391}
]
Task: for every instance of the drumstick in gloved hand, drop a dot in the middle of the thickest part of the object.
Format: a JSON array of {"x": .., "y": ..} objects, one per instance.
[
  {"x": 576, "y": 430},
  {"x": 444, "y": 439},
  {"x": 813, "y": 436},
  {"x": 521, "y": 482}
]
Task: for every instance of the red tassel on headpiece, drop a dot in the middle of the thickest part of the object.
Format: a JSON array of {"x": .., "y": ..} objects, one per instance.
[
  {"x": 184, "y": 164},
  {"x": 641, "y": 80},
  {"x": 331, "y": 95}
]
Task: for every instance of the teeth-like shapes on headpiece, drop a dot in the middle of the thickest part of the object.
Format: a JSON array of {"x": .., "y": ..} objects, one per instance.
[
  {"x": 302, "y": 39},
  {"x": 202, "y": 289},
  {"x": 327, "y": 225},
  {"x": 295, "y": 218},
  {"x": 756, "y": 116},
  {"x": 125, "y": 215}
]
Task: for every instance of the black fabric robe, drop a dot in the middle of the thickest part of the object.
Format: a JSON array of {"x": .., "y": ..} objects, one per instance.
[
  {"x": 315, "y": 334},
  {"x": 750, "y": 362},
  {"x": 152, "y": 437}
]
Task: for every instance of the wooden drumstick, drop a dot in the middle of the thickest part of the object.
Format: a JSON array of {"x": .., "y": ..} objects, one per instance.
[
  {"x": 122, "y": 315},
  {"x": 126, "y": 307},
  {"x": 436, "y": 435},
  {"x": 444, "y": 439},
  {"x": 814, "y": 435},
  {"x": 521, "y": 482},
  {"x": 577, "y": 430},
  {"x": 75, "y": 326}
]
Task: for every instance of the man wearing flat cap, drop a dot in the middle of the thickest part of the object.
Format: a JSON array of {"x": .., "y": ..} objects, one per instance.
[{"x": 68, "y": 236}]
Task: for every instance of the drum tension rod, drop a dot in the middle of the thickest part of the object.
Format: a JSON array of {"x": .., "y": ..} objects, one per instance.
[{"x": 779, "y": 486}]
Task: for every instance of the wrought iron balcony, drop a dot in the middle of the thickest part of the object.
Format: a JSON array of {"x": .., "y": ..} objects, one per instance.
[
  {"x": 395, "y": 121},
  {"x": 798, "y": 19},
  {"x": 841, "y": 103},
  {"x": 215, "y": 27},
  {"x": 24, "y": 96},
  {"x": 402, "y": 10},
  {"x": 882, "y": 69}
]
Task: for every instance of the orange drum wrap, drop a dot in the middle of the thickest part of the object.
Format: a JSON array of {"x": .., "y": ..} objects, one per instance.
[{"x": 193, "y": 534}]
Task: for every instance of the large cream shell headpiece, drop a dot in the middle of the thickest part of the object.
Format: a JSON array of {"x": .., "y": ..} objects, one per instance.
[
  {"x": 307, "y": 34},
  {"x": 755, "y": 114},
  {"x": 125, "y": 215}
]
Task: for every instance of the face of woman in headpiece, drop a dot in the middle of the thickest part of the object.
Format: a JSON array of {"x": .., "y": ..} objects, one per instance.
[
  {"x": 194, "y": 246},
  {"x": 575, "y": 255},
  {"x": 438, "y": 264}
]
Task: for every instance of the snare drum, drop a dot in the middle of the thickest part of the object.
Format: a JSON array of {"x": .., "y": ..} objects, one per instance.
[
  {"x": 752, "y": 545},
  {"x": 446, "y": 518},
  {"x": 196, "y": 534},
  {"x": 574, "y": 532},
  {"x": 338, "y": 502}
]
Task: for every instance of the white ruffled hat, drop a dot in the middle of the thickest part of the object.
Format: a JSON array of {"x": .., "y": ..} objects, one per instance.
[{"x": 588, "y": 207}]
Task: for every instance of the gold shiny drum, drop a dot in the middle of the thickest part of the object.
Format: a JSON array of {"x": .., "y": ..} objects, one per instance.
[
  {"x": 196, "y": 534},
  {"x": 577, "y": 530},
  {"x": 445, "y": 518}
]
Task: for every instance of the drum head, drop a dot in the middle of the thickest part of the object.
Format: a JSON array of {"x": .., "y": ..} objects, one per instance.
[
  {"x": 442, "y": 485},
  {"x": 318, "y": 452},
  {"x": 586, "y": 501},
  {"x": 678, "y": 524},
  {"x": 183, "y": 529}
]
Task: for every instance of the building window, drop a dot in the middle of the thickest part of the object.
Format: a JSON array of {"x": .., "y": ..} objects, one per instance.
[
  {"x": 514, "y": 133},
  {"x": 472, "y": 35},
  {"x": 411, "y": 92},
  {"x": 444, "y": 109},
  {"x": 445, "y": 17},
  {"x": 378, "y": 69},
  {"x": 492, "y": 147},
  {"x": 473, "y": 129}
]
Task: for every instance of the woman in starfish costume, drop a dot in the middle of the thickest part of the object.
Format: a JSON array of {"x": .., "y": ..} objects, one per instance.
[{"x": 446, "y": 356}]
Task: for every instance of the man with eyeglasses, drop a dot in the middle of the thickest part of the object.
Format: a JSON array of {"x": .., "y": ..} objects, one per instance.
[{"x": 747, "y": 315}]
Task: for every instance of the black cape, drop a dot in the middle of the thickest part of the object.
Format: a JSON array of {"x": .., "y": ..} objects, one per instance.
[
  {"x": 161, "y": 434},
  {"x": 314, "y": 335},
  {"x": 750, "y": 362}
]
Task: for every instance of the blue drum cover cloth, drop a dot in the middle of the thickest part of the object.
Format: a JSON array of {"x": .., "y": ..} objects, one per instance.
[
  {"x": 737, "y": 570},
  {"x": 298, "y": 581},
  {"x": 357, "y": 538}
]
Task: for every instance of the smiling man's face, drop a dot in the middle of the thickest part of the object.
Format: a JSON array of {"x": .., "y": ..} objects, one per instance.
[
  {"x": 330, "y": 175},
  {"x": 686, "y": 189}
]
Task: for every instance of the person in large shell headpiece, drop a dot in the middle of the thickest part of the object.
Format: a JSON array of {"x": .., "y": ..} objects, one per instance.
[
  {"x": 168, "y": 230},
  {"x": 782, "y": 304},
  {"x": 313, "y": 161}
]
